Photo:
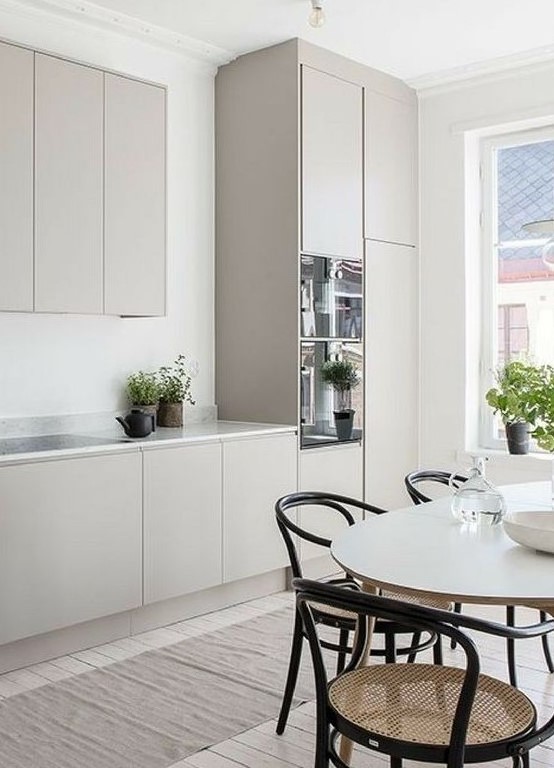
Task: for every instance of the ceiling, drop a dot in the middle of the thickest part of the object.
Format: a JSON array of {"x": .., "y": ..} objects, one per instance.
[{"x": 407, "y": 38}]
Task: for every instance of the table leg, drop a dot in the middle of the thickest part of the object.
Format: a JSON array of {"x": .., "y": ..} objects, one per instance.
[{"x": 346, "y": 746}]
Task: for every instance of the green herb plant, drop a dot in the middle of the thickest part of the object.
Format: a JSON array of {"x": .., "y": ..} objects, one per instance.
[
  {"x": 541, "y": 398},
  {"x": 515, "y": 396},
  {"x": 142, "y": 388},
  {"x": 343, "y": 376},
  {"x": 174, "y": 382}
]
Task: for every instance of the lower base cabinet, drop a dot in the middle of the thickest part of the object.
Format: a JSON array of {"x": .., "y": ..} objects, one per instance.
[
  {"x": 337, "y": 469},
  {"x": 70, "y": 542},
  {"x": 182, "y": 520},
  {"x": 256, "y": 472}
]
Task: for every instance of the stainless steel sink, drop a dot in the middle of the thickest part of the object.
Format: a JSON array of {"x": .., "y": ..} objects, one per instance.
[{"x": 38, "y": 443}]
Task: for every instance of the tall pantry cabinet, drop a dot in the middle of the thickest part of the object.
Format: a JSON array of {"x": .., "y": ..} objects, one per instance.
[{"x": 316, "y": 162}]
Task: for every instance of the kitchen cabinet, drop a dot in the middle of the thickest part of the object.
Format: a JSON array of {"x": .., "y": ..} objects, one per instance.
[
  {"x": 182, "y": 520},
  {"x": 70, "y": 544},
  {"x": 297, "y": 128},
  {"x": 390, "y": 169},
  {"x": 68, "y": 187},
  {"x": 16, "y": 172},
  {"x": 337, "y": 471},
  {"x": 392, "y": 367},
  {"x": 135, "y": 197},
  {"x": 83, "y": 206},
  {"x": 332, "y": 165},
  {"x": 256, "y": 472}
]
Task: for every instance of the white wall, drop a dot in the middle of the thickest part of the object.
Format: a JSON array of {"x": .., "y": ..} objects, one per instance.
[
  {"x": 450, "y": 118},
  {"x": 75, "y": 364}
]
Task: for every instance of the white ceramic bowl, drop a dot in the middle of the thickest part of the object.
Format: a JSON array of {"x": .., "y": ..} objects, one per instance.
[{"x": 532, "y": 529}]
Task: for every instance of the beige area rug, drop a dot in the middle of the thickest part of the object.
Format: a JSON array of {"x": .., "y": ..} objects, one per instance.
[{"x": 159, "y": 707}]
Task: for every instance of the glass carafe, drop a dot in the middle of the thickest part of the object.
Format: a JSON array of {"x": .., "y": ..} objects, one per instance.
[{"x": 477, "y": 501}]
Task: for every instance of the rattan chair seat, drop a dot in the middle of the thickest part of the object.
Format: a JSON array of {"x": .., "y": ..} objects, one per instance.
[
  {"x": 334, "y": 613},
  {"x": 429, "y": 601},
  {"x": 416, "y": 703}
]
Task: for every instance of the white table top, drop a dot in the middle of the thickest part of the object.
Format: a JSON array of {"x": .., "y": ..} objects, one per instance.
[{"x": 424, "y": 549}]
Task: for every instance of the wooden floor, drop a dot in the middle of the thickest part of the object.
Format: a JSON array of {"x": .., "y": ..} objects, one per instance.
[{"x": 260, "y": 747}]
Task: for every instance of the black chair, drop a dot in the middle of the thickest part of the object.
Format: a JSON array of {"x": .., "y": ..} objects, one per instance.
[
  {"x": 418, "y": 497},
  {"x": 342, "y": 620},
  {"x": 423, "y": 712}
]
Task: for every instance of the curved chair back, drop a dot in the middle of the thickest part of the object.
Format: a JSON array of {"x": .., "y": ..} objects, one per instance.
[
  {"x": 286, "y": 505},
  {"x": 418, "y": 618},
  {"x": 414, "y": 479}
]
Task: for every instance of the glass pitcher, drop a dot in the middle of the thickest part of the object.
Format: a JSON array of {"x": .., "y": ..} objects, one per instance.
[{"x": 477, "y": 500}]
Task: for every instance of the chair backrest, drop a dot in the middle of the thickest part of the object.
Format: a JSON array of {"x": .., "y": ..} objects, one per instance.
[
  {"x": 429, "y": 476},
  {"x": 418, "y": 618},
  {"x": 289, "y": 504},
  {"x": 410, "y": 615}
]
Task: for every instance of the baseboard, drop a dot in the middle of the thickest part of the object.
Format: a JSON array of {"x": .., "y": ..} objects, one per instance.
[
  {"x": 200, "y": 603},
  {"x": 62, "y": 642}
]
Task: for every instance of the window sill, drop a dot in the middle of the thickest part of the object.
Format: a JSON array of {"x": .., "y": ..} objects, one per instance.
[{"x": 539, "y": 463}]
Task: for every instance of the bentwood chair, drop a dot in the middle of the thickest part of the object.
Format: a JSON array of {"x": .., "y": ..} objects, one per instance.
[
  {"x": 342, "y": 620},
  {"x": 415, "y": 479},
  {"x": 423, "y": 712}
]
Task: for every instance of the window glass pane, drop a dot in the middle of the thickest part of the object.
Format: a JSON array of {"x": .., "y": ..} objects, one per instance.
[
  {"x": 525, "y": 188},
  {"x": 524, "y": 288}
]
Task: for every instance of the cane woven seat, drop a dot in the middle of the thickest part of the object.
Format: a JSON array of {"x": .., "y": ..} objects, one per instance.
[
  {"x": 416, "y": 703},
  {"x": 428, "y": 601},
  {"x": 334, "y": 613}
]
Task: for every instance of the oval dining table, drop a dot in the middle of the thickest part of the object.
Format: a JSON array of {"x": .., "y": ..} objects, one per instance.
[{"x": 423, "y": 550}]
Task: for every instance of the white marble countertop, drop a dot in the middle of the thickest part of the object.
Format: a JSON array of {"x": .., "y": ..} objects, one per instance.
[{"x": 117, "y": 442}]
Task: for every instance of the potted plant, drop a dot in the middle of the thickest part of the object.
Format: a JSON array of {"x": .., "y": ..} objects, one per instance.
[
  {"x": 143, "y": 391},
  {"x": 343, "y": 377},
  {"x": 174, "y": 382},
  {"x": 514, "y": 399},
  {"x": 541, "y": 398}
]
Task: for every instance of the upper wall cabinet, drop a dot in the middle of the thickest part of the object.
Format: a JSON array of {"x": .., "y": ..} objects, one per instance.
[
  {"x": 135, "y": 198},
  {"x": 16, "y": 173},
  {"x": 68, "y": 186},
  {"x": 83, "y": 193},
  {"x": 390, "y": 169},
  {"x": 332, "y": 165}
]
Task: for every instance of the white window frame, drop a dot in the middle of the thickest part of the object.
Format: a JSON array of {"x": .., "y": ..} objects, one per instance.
[{"x": 489, "y": 146}]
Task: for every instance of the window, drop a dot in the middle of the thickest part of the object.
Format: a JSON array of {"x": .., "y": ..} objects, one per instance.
[{"x": 518, "y": 304}]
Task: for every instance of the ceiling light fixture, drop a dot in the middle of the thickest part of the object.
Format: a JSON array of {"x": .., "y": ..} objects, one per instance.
[
  {"x": 317, "y": 14},
  {"x": 546, "y": 228}
]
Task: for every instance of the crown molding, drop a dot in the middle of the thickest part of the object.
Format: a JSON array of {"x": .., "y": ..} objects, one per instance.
[
  {"x": 482, "y": 71},
  {"x": 83, "y": 12}
]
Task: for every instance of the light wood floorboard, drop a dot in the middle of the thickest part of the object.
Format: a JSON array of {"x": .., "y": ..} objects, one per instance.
[{"x": 260, "y": 747}]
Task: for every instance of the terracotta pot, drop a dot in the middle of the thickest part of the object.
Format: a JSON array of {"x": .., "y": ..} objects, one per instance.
[{"x": 170, "y": 415}]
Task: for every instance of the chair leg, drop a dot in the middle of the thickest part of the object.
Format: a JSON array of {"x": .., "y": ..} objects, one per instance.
[
  {"x": 416, "y": 640},
  {"x": 322, "y": 737},
  {"x": 457, "y": 609},
  {"x": 510, "y": 646},
  {"x": 437, "y": 651},
  {"x": 525, "y": 760},
  {"x": 395, "y": 762},
  {"x": 341, "y": 656},
  {"x": 546, "y": 647},
  {"x": 292, "y": 675},
  {"x": 390, "y": 648}
]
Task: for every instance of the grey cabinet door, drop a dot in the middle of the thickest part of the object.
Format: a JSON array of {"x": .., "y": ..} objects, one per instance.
[
  {"x": 68, "y": 186},
  {"x": 332, "y": 165},
  {"x": 182, "y": 520},
  {"x": 390, "y": 169},
  {"x": 71, "y": 545},
  {"x": 16, "y": 178},
  {"x": 392, "y": 371},
  {"x": 134, "y": 198}
]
